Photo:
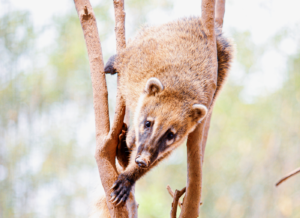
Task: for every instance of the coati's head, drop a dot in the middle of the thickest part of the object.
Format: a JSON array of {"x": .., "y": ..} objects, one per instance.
[{"x": 163, "y": 119}]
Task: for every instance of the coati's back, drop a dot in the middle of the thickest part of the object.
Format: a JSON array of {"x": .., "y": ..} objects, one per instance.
[{"x": 177, "y": 54}]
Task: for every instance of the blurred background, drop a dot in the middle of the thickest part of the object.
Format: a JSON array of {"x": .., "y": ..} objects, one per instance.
[{"x": 47, "y": 136}]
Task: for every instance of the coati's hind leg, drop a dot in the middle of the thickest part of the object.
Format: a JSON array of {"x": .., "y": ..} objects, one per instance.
[
  {"x": 123, "y": 152},
  {"x": 109, "y": 66},
  {"x": 125, "y": 146}
]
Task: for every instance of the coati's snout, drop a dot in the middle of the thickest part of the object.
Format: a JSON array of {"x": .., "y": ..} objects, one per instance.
[
  {"x": 162, "y": 122},
  {"x": 143, "y": 162}
]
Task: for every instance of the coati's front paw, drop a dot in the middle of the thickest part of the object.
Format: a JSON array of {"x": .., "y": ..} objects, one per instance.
[{"x": 121, "y": 190}]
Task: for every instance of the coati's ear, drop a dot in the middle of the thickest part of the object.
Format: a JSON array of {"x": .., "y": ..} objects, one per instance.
[
  {"x": 153, "y": 86},
  {"x": 109, "y": 66},
  {"x": 199, "y": 112}
]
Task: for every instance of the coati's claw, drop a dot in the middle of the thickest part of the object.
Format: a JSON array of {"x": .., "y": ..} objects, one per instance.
[
  {"x": 121, "y": 201},
  {"x": 116, "y": 200},
  {"x": 121, "y": 190},
  {"x": 112, "y": 198},
  {"x": 114, "y": 185}
]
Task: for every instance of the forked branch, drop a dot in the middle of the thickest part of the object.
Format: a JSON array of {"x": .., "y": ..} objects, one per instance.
[
  {"x": 106, "y": 138},
  {"x": 176, "y": 195},
  {"x": 172, "y": 195}
]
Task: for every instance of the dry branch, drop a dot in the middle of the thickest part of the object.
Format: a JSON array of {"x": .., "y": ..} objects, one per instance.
[
  {"x": 191, "y": 204},
  {"x": 197, "y": 139},
  {"x": 220, "y": 11},
  {"x": 172, "y": 195},
  {"x": 120, "y": 37},
  {"x": 106, "y": 139},
  {"x": 288, "y": 176},
  {"x": 192, "y": 200},
  {"x": 176, "y": 195},
  {"x": 121, "y": 44},
  {"x": 219, "y": 17}
]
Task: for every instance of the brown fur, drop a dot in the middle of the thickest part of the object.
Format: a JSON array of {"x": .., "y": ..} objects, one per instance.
[{"x": 178, "y": 56}]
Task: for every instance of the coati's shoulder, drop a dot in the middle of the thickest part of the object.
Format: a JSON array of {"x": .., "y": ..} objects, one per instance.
[{"x": 176, "y": 53}]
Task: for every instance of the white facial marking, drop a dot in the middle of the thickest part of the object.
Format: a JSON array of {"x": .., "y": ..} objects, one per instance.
[
  {"x": 150, "y": 119},
  {"x": 137, "y": 114}
]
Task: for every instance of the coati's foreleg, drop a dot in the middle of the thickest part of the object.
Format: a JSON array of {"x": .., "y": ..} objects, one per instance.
[{"x": 125, "y": 181}]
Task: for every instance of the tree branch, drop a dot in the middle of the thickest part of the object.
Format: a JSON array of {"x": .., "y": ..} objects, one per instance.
[
  {"x": 106, "y": 141},
  {"x": 220, "y": 11},
  {"x": 208, "y": 17},
  {"x": 197, "y": 139},
  {"x": 120, "y": 24},
  {"x": 172, "y": 195},
  {"x": 288, "y": 176},
  {"x": 192, "y": 200},
  {"x": 219, "y": 17},
  {"x": 121, "y": 44},
  {"x": 205, "y": 133}
]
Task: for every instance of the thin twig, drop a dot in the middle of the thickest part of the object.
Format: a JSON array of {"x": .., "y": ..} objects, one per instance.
[{"x": 288, "y": 176}]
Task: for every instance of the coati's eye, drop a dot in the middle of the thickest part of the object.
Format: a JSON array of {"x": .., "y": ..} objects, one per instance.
[
  {"x": 170, "y": 136},
  {"x": 147, "y": 124}
]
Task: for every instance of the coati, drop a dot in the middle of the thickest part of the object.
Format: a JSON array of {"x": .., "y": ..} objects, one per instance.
[{"x": 166, "y": 82}]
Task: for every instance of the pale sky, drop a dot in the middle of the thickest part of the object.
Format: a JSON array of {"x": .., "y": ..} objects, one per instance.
[{"x": 262, "y": 18}]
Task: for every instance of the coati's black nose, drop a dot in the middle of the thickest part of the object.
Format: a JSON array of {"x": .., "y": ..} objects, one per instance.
[{"x": 139, "y": 161}]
